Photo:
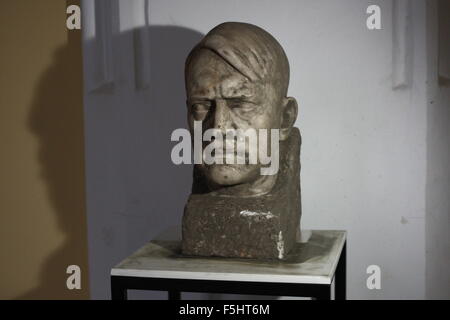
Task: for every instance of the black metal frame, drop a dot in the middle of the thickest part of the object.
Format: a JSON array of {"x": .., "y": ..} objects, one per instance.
[{"x": 174, "y": 287}]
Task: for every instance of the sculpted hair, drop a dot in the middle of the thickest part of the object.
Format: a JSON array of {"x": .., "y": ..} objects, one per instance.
[{"x": 250, "y": 50}]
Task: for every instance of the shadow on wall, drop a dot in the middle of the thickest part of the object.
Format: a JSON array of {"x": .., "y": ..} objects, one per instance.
[
  {"x": 135, "y": 192},
  {"x": 56, "y": 118}
]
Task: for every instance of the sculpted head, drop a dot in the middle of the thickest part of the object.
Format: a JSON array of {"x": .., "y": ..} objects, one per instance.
[{"x": 237, "y": 78}]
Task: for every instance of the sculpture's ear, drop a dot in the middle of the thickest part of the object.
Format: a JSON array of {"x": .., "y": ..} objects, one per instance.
[{"x": 288, "y": 116}]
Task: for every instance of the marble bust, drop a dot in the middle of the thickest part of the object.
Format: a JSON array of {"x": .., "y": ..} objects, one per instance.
[{"x": 237, "y": 78}]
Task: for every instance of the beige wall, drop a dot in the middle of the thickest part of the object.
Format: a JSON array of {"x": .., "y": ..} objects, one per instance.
[{"x": 42, "y": 204}]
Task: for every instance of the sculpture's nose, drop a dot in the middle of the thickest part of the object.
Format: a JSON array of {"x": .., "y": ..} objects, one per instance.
[{"x": 222, "y": 117}]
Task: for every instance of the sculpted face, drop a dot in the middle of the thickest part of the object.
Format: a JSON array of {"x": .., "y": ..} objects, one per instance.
[
  {"x": 228, "y": 90},
  {"x": 224, "y": 99}
]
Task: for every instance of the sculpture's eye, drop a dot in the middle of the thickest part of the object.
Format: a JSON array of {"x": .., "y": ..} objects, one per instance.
[
  {"x": 242, "y": 107},
  {"x": 200, "y": 109},
  {"x": 234, "y": 103}
]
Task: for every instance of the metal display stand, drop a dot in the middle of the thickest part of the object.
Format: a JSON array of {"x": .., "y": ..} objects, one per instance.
[{"x": 309, "y": 271}]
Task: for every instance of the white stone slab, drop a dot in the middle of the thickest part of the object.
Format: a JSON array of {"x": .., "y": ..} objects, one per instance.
[{"x": 313, "y": 261}]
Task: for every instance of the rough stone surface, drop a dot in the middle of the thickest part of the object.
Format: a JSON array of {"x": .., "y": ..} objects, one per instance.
[{"x": 263, "y": 227}]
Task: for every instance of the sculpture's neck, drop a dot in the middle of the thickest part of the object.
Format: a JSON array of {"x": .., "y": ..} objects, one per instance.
[{"x": 259, "y": 187}]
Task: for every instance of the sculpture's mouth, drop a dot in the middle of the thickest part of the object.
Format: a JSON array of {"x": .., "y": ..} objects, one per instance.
[{"x": 233, "y": 157}]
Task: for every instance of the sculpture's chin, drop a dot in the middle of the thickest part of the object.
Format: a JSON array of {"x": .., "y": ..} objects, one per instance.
[{"x": 230, "y": 175}]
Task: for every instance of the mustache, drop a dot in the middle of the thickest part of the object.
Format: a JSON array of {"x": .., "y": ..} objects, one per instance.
[{"x": 225, "y": 147}]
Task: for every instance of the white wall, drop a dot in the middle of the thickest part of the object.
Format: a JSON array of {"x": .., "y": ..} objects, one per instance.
[{"x": 364, "y": 153}]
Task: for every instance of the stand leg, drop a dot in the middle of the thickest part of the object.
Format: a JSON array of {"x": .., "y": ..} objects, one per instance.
[
  {"x": 325, "y": 293},
  {"x": 341, "y": 278},
  {"x": 174, "y": 295},
  {"x": 118, "y": 292}
]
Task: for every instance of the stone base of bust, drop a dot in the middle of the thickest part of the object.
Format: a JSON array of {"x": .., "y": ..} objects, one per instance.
[{"x": 261, "y": 227}]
